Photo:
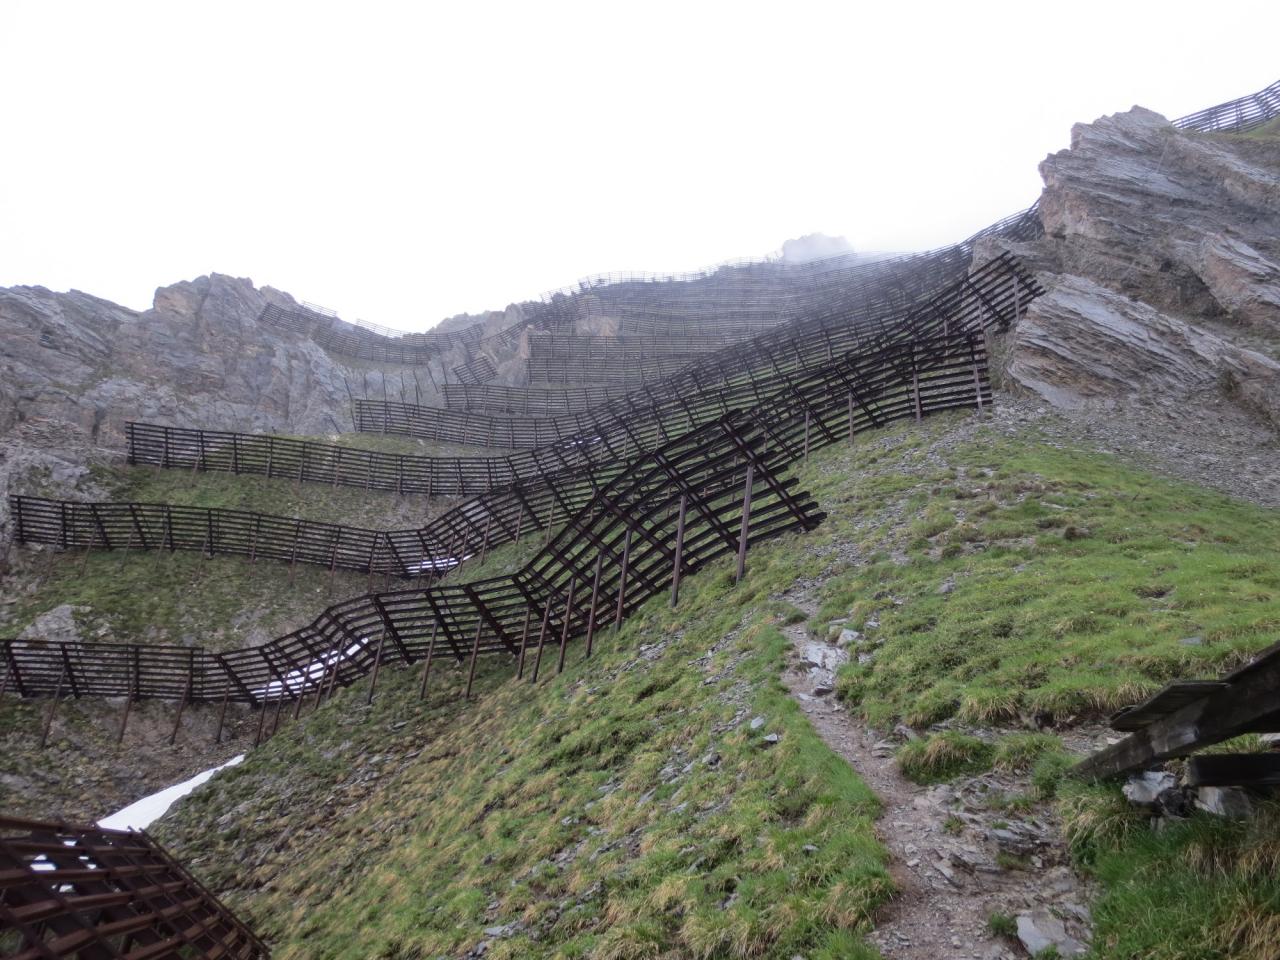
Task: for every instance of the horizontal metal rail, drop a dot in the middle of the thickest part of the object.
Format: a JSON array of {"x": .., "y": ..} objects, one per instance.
[
  {"x": 1245, "y": 113},
  {"x": 128, "y": 526},
  {"x": 626, "y": 347},
  {"x": 477, "y": 370},
  {"x": 624, "y": 531},
  {"x": 618, "y": 371},
  {"x": 526, "y": 401}
]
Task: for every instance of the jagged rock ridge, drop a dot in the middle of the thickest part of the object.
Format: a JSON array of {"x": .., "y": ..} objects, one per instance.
[{"x": 1162, "y": 261}]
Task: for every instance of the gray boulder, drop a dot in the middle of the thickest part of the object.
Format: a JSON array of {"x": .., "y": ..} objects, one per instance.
[{"x": 1040, "y": 930}]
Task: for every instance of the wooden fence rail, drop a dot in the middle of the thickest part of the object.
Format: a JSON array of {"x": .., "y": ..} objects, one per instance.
[
  {"x": 740, "y": 375},
  {"x": 624, "y": 531},
  {"x": 126, "y": 526},
  {"x": 70, "y": 891},
  {"x": 1189, "y": 715}
]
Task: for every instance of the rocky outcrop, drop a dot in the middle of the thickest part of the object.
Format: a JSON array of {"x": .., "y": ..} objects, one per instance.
[
  {"x": 1082, "y": 343},
  {"x": 1161, "y": 258},
  {"x": 198, "y": 357},
  {"x": 1134, "y": 201},
  {"x": 1244, "y": 282},
  {"x": 58, "y": 625},
  {"x": 74, "y": 369}
]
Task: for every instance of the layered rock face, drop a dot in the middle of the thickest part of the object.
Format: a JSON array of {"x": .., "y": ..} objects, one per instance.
[
  {"x": 197, "y": 357},
  {"x": 1162, "y": 263},
  {"x": 74, "y": 369}
]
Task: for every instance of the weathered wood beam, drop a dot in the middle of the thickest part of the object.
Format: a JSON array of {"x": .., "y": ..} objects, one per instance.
[
  {"x": 1234, "y": 770},
  {"x": 1250, "y": 703}
]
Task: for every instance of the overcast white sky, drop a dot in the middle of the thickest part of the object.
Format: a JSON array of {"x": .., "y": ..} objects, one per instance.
[{"x": 403, "y": 162}]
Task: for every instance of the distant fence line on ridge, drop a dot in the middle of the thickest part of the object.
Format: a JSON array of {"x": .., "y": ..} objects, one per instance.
[
  {"x": 1240, "y": 115},
  {"x": 690, "y": 297},
  {"x": 989, "y": 296}
]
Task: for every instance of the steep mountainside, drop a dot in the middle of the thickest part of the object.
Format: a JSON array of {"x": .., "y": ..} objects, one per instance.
[{"x": 986, "y": 587}]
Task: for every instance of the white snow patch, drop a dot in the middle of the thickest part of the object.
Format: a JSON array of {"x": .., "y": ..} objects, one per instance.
[{"x": 142, "y": 813}]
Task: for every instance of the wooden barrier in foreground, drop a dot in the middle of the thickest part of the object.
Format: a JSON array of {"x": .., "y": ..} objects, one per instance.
[{"x": 84, "y": 892}]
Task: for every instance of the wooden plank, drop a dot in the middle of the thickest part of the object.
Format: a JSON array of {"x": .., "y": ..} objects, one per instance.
[
  {"x": 1247, "y": 704},
  {"x": 1234, "y": 770},
  {"x": 1170, "y": 699}
]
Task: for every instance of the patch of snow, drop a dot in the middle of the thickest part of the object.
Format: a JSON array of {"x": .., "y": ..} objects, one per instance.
[{"x": 142, "y": 813}]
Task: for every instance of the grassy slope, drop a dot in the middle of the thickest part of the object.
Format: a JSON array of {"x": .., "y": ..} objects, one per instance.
[
  {"x": 1079, "y": 585},
  {"x": 321, "y": 502},
  {"x": 1268, "y": 131},
  {"x": 137, "y": 597},
  {"x": 625, "y": 809},
  {"x": 590, "y": 813},
  {"x": 1203, "y": 888},
  {"x": 394, "y": 443}
]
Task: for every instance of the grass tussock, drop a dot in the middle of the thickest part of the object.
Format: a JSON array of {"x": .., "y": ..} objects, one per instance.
[
  {"x": 1021, "y": 752},
  {"x": 943, "y": 756},
  {"x": 1205, "y": 887}
]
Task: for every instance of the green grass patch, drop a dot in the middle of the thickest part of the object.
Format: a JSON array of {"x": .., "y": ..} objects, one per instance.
[
  {"x": 157, "y": 597},
  {"x": 943, "y": 756},
  {"x": 1002, "y": 925},
  {"x": 412, "y": 446},
  {"x": 1020, "y": 752},
  {"x": 1202, "y": 888},
  {"x": 375, "y": 509},
  {"x": 1075, "y": 585},
  {"x": 624, "y": 809},
  {"x": 1268, "y": 131}
]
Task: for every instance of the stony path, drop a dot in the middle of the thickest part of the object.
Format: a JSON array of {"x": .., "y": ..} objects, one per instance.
[{"x": 949, "y": 882}]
